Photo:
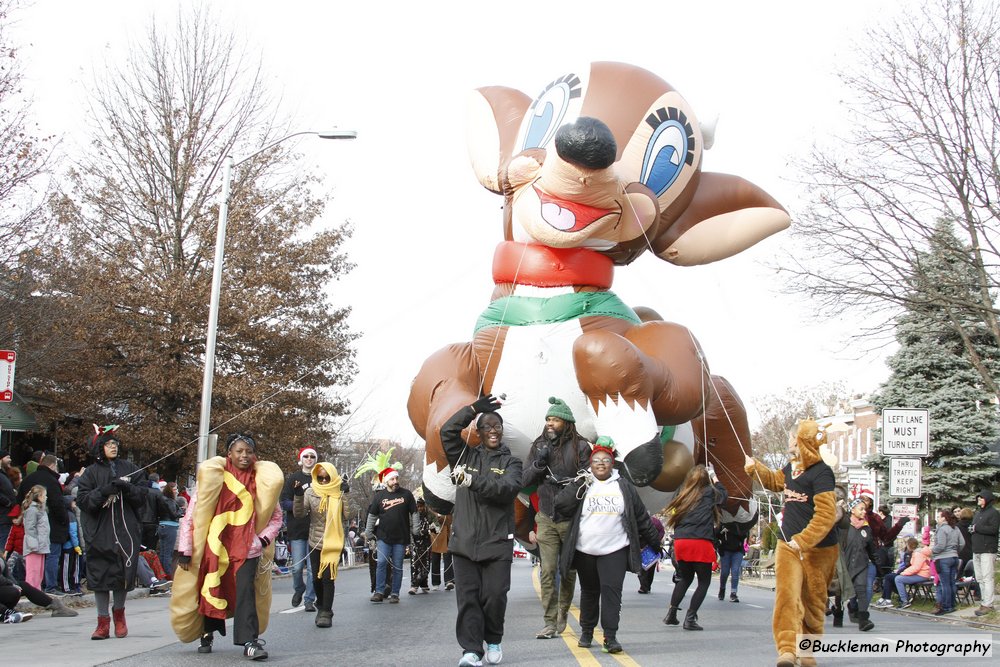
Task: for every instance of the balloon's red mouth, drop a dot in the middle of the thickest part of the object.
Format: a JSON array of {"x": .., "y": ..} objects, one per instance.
[{"x": 568, "y": 216}]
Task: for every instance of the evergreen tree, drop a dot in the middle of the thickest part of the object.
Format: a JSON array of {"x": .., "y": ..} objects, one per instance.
[{"x": 932, "y": 370}]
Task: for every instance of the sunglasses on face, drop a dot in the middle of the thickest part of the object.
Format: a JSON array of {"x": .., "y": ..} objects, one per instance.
[
  {"x": 322, "y": 479},
  {"x": 486, "y": 428},
  {"x": 308, "y": 456}
]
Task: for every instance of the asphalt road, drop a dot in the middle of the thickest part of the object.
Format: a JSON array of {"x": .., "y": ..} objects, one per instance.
[{"x": 420, "y": 632}]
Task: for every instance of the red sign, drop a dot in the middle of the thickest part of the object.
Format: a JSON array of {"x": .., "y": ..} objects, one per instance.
[{"x": 7, "y": 359}]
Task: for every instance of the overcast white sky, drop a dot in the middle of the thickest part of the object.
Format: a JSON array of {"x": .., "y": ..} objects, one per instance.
[{"x": 399, "y": 73}]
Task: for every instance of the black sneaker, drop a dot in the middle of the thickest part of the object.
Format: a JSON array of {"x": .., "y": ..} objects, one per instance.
[
  {"x": 310, "y": 607},
  {"x": 296, "y": 599},
  {"x": 733, "y": 597},
  {"x": 586, "y": 639},
  {"x": 255, "y": 650},
  {"x": 206, "y": 643},
  {"x": 394, "y": 599},
  {"x": 611, "y": 645}
]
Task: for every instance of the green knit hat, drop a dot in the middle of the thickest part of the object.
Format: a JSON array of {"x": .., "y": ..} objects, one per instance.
[{"x": 560, "y": 409}]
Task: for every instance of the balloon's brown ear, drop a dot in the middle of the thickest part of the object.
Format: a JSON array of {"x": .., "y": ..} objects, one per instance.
[
  {"x": 493, "y": 116},
  {"x": 727, "y": 215}
]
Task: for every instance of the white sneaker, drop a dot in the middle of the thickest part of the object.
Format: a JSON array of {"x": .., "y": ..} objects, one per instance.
[
  {"x": 494, "y": 654},
  {"x": 21, "y": 617},
  {"x": 470, "y": 659}
]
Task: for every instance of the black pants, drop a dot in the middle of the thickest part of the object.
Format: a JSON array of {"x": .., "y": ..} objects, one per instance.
[
  {"x": 481, "y": 592},
  {"x": 601, "y": 580},
  {"x": 9, "y": 595},
  {"x": 687, "y": 571},
  {"x": 436, "y": 562},
  {"x": 646, "y": 578},
  {"x": 325, "y": 585},
  {"x": 246, "y": 626},
  {"x": 373, "y": 567}
]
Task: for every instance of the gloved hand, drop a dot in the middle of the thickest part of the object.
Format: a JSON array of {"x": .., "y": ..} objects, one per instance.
[
  {"x": 542, "y": 454},
  {"x": 487, "y": 403},
  {"x": 78, "y": 550},
  {"x": 370, "y": 537},
  {"x": 299, "y": 489},
  {"x": 120, "y": 483},
  {"x": 108, "y": 490},
  {"x": 344, "y": 486},
  {"x": 461, "y": 477},
  {"x": 264, "y": 541}
]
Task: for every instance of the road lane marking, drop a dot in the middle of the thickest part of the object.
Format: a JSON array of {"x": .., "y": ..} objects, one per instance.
[
  {"x": 755, "y": 606},
  {"x": 584, "y": 656}
]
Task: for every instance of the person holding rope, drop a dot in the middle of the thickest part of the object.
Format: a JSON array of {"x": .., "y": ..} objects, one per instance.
[
  {"x": 298, "y": 530},
  {"x": 609, "y": 525},
  {"x": 111, "y": 498},
  {"x": 555, "y": 459},
  {"x": 226, "y": 548},
  {"x": 694, "y": 515},
  {"x": 420, "y": 556},
  {"x": 806, "y": 555},
  {"x": 392, "y": 517},
  {"x": 323, "y": 504},
  {"x": 488, "y": 479}
]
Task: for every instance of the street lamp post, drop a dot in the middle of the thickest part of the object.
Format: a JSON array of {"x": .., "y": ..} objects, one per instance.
[{"x": 213, "y": 308}]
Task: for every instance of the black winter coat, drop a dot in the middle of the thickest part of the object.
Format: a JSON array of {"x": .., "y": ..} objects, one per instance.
[
  {"x": 58, "y": 517},
  {"x": 986, "y": 525},
  {"x": 635, "y": 520},
  {"x": 112, "y": 531},
  {"x": 699, "y": 521},
  {"x": 483, "y": 528},
  {"x": 565, "y": 461}
]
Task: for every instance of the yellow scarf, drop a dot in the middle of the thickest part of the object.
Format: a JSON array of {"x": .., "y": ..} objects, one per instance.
[{"x": 332, "y": 506}]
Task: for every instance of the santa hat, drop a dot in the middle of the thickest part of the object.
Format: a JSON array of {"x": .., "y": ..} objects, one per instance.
[
  {"x": 388, "y": 474},
  {"x": 307, "y": 450}
]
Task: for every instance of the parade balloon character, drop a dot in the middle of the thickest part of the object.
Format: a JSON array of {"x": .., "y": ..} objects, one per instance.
[
  {"x": 807, "y": 548},
  {"x": 602, "y": 166}
]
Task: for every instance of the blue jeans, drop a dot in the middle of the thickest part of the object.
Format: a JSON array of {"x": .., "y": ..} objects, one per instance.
[
  {"x": 389, "y": 555},
  {"x": 903, "y": 580},
  {"x": 731, "y": 562},
  {"x": 52, "y": 567},
  {"x": 167, "y": 541},
  {"x": 302, "y": 578},
  {"x": 870, "y": 582},
  {"x": 947, "y": 569}
]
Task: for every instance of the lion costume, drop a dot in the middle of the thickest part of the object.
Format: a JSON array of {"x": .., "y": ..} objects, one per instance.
[
  {"x": 807, "y": 551},
  {"x": 187, "y": 621}
]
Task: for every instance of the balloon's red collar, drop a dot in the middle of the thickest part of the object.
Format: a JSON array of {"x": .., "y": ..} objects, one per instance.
[{"x": 544, "y": 266}]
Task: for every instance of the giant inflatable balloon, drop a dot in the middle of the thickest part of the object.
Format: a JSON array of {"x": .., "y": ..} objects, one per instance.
[{"x": 601, "y": 166}]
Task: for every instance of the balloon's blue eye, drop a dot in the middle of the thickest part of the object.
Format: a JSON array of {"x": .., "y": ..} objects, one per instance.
[
  {"x": 548, "y": 111},
  {"x": 669, "y": 149}
]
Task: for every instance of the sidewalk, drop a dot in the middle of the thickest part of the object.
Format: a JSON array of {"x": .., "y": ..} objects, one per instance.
[{"x": 964, "y": 615}]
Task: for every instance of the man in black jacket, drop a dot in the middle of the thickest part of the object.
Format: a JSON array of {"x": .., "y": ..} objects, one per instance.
[
  {"x": 984, "y": 529},
  {"x": 298, "y": 531},
  {"x": 47, "y": 475},
  {"x": 488, "y": 479},
  {"x": 556, "y": 456}
]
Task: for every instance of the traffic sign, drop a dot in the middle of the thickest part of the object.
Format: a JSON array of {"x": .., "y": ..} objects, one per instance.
[
  {"x": 904, "y": 477},
  {"x": 899, "y": 510},
  {"x": 904, "y": 432},
  {"x": 7, "y": 359}
]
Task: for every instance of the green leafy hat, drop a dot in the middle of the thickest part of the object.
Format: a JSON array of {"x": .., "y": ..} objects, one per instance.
[{"x": 560, "y": 409}]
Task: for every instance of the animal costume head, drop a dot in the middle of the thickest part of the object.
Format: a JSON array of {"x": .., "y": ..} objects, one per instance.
[{"x": 809, "y": 436}]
